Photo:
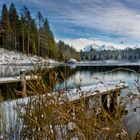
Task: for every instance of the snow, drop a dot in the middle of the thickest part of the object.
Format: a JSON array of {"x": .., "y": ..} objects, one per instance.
[
  {"x": 16, "y": 58},
  {"x": 127, "y": 48},
  {"x": 99, "y": 48},
  {"x": 91, "y": 90},
  {"x": 107, "y": 63},
  {"x": 136, "y": 47},
  {"x": 88, "y": 48},
  {"x": 72, "y": 61},
  {"x": 96, "y": 47},
  {"x": 17, "y": 78},
  {"x": 104, "y": 47}
]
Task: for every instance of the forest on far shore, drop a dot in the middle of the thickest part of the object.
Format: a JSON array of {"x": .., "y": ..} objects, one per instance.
[{"x": 129, "y": 54}]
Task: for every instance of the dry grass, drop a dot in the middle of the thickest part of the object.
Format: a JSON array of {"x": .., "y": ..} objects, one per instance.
[
  {"x": 53, "y": 116},
  {"x": 138, "y": 135}
]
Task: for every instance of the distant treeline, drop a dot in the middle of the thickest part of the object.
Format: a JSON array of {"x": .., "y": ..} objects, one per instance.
[
  {"x": 121, "y": 55},
  {"x": 30, "y": 35}
]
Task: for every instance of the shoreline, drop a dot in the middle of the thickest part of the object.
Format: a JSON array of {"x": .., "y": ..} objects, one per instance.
[
  {"x": 75, "y": 64},
  {"x": 102, "y": 64}
]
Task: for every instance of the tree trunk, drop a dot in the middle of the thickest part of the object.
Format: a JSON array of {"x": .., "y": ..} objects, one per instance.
[
  {"x": 28, "y": 44},
  {"x": 38, "y": 51},
  {"x": 15, "y": 42},
  {"x": 10, "y": 41},
  {"x": 23, "y": 42}
]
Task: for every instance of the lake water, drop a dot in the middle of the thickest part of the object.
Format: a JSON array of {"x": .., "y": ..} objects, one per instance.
[
  {"x": 85, "y": 75},
  {"x": 88, "y": 75}
]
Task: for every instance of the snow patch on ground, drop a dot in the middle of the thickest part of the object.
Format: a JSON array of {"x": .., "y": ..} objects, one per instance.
[{"x": 15, "y": 58}]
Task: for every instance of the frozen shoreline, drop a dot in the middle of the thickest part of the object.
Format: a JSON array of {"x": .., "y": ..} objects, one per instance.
[
  {"x": 14, "y": 58},
  {"x": 104, "y": 63}
]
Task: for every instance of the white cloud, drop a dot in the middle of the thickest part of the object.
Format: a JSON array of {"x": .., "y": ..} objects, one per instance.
[
  {"x": 113, "y": 17},
  {"x": 117, "y": 20}
]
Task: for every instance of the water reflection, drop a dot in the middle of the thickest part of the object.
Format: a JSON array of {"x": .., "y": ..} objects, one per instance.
[
  {"x": 88, "y": 75},
  {"x": 85, "y": 75},
  {"x": 6, "y": 71},
  {"x": 9, "y": 71}
]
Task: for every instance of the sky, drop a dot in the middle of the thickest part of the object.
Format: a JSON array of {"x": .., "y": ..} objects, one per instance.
[{"x": 82, "y": 22}]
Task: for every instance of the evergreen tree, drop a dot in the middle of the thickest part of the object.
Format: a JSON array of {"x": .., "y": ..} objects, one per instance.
[
  {"x": 14, "y": 24},
  {"x": 49, "y": 42},
  {"x": 34, "y": 37},
  {"x": 22, "y": 29},
  {"x": 66, "y": 52},
  {"x": 40, "y": 21},
  {"x": 5, "y": 25},
  {"x": 26, "y": 20}
]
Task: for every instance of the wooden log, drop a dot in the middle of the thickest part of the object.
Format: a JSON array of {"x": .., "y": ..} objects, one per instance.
[
  {"x": 104, "y": 101},
  {"x": 114, "y": 100}
]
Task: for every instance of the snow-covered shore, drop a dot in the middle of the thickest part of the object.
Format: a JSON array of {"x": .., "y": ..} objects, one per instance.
[
  {"x": 16, "y": 58},
  {"x": 105, "y": 63},
  {"x": 108, "y": 63}
]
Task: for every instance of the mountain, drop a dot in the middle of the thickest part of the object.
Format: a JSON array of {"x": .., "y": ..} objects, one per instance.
[
  {"x": 136, "y": 47},
  {"x": 96, "y": 47},
  {"x": 104, "y": 47},
  {"x": 127, "y": 48},
  {"x": 133, "y": 48},
  {"x": 90, "y": 47}
]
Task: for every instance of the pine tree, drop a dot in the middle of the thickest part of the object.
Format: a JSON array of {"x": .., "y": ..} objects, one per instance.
[
  {"x": 26, "y": 20},
  {"x": 14, "y": 24},
  {"x": 22, "y": 29},
  {"x": 49, "y": 38},
  {"x": 5, "y": 25},
  {"x": 34, "y": 37},
  {"x": 40, "y": 21}
]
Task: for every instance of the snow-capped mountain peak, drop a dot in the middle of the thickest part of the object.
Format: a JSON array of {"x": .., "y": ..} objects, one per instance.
[
  {"x": 88, "y": 48},
  {"x": 133, "y": 48},
  {"x": 136, "y": 47},
  {"x": 105, "y": 47},
  {"x": 96, "y": 47},
  {"x": 127, "y": 48}
]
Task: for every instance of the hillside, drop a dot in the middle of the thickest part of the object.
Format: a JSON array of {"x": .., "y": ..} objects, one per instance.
[{"x": 18, "y": 58}]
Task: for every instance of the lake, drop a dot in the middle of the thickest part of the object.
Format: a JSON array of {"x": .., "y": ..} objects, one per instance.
[
  {"x": 84, "y": 75},
  {"x": 88, "y": 75}
]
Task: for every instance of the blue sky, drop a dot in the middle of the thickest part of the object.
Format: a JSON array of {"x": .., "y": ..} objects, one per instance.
[{"x": 80, "y": 22}]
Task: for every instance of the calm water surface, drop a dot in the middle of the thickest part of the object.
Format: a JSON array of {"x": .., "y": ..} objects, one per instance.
[
  {"x": 88, "y": 75},
  {"x": 84, "y": 75}
]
